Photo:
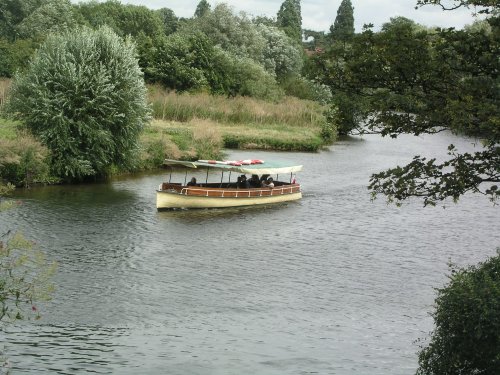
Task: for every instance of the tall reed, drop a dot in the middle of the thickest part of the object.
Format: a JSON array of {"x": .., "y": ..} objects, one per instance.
[
  {"x": 4, "y": 88},
  {"x": 171, "y": 106}
]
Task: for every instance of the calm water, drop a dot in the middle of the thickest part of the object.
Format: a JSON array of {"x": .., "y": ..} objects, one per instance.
[{"x": 332, "y": 284}]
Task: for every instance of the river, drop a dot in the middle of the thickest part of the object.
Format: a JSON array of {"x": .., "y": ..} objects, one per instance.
[{"x": 331, "y": 284}]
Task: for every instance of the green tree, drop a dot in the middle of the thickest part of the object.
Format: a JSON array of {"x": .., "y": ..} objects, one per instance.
[
  {"x": 202, "y": 8},
  {"x": 243, "y": 76},
  {"x": 418, "y": 81},
  {"x": 466, "y": 337},
  {"x": 347, "y": 103},
  {"x": 264, "y": 20},
  {"x": 237, "y": 34},
  {"x": 50, "y": 17},
  {"x": 233, "y": 33},
  {"x": 12, "y": 13},
  {"x": 333, "y": 69},
  {"x": 170, "y": 20},
  {"x": 123, "y": 19},
  {"x": 15, "y": 55},
  {"x": 183, "y": 62},
  {"x": 428, "y": 96},
  {"x": 289, "y": 19},
  {"x": 280, "y": 54},
  {"x": 189, "y": 61},
  {"x": 343, "y": 27},
  {"x": 83, "y": 97}
]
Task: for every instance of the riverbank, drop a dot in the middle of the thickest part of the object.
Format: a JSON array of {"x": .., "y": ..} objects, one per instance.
[{"x": 188, "y": 126}]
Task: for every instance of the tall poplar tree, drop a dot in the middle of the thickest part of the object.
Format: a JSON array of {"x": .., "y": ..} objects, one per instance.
[
  {"x": 202, "y": 8},
  {"x": 289, "y": 19},
  {"x": 343, "y": 27}
]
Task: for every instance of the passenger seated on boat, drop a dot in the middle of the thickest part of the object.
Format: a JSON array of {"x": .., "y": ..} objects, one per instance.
[
  {"x": 254, "y": 181},
  {"x": 243, "y": 182},
  {"x": 269, "y": 183},
  {"x": 263, "y": 178},
  {"x": 192, "y": 182}
]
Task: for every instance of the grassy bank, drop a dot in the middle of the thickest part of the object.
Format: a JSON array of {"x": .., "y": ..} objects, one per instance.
[
  {"x": 194, "y": 126},
  {"x": 291, "y": 125}
]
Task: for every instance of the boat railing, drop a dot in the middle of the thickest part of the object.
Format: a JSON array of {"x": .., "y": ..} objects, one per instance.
[{"x": 239, "y": 193}]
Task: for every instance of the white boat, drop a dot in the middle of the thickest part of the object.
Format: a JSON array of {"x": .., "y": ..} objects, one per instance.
[{"x": 171, "y": 195}]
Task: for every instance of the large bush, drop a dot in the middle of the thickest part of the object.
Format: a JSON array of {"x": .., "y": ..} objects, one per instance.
[
  {"x": 83, "y": 96},
  {"x": 466, "y": 339}
]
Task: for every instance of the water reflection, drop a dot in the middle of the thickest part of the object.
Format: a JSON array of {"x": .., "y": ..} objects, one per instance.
[{"x": 221, "y": 213}]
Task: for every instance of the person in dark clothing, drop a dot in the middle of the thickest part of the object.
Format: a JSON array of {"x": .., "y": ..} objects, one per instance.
[
  {"x": 192, "y": 182},
  {"x": 243, "y": 182},
  {"x": 254, "y": 181}
]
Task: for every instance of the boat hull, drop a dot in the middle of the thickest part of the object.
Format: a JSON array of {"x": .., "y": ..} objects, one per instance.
[{"x": 219, "y": 198}]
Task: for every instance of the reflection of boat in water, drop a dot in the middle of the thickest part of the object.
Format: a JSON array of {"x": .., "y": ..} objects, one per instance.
[{"x": 228, "y": 194}]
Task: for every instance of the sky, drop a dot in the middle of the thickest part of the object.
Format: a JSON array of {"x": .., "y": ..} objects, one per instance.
[{"x": 318, "y": 15}]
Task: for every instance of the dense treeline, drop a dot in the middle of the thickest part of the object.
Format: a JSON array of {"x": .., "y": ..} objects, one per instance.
[{"x": 215, "y": 51}]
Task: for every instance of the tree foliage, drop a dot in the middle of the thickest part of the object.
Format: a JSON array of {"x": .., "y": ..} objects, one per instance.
[
  {"x": 289, "y": 19},
  {"x": 178, "y": 53},
  {"x": 280, "y": 55},
  {"x": 189, "y": 61},
  {"x": 50, "y": 17},
  {"x": 234, "y": 33},
  {"x": 408, "y": 79},
  {"x": 12, "y": 13},
  {"x": 485, "y": 6},
  {"x": 466, "y": 338},
  {"x": 170, "y": 20},
  {"x": 184, "y": 62},
  {"x": 314, "y": 39},
  {"x": 202, "y": 8},
  {"x": 243, "y": 76},
  {"x": 240, "y": 36},
  {"x": 15, "y": 55},
  {"x": 83, "y": 97},
  {"x": 123, "y": 19},
  {"x": 343, "y": 27}
]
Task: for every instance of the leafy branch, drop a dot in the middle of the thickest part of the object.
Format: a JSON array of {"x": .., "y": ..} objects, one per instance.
[
  {"x": 456, "y": 4},
  {"x": 477, "y": 172}
]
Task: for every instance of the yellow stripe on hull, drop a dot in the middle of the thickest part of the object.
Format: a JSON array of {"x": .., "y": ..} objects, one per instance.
[{"x": 166, "y": 200}]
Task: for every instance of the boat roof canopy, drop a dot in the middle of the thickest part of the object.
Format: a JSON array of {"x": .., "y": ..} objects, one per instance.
[{"x": 267, "y": 167}]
